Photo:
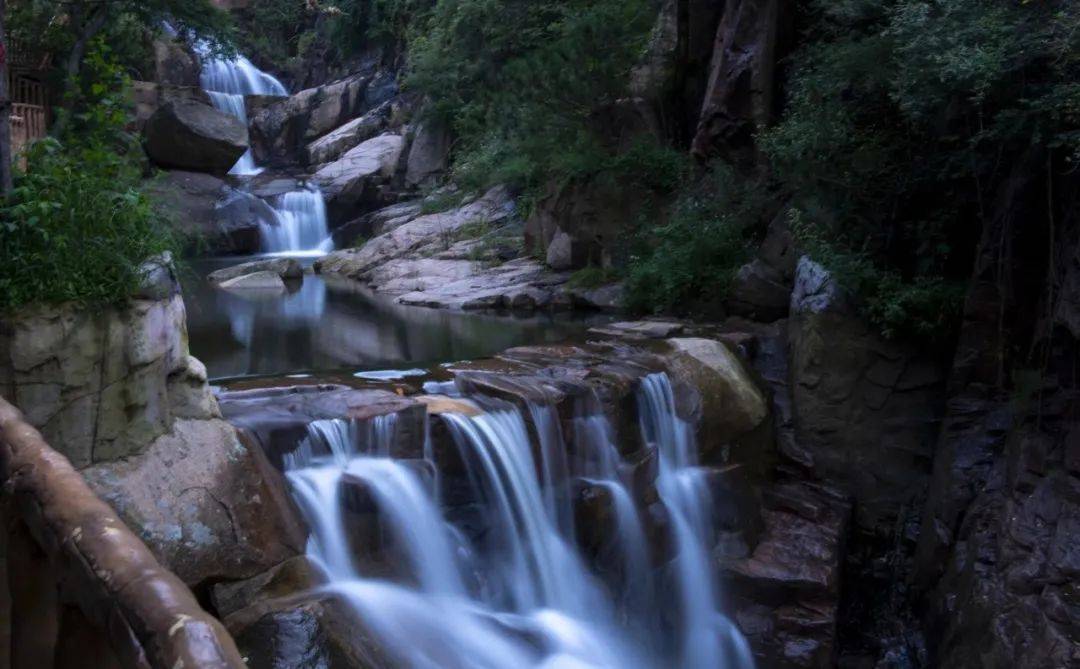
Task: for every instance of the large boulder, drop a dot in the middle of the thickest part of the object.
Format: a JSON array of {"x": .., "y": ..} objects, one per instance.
[
  {"x": 285, "y": 268},
  {"x": 758, "y": 291},
  {"x": 355, "y": 177},
  {"x": 332, "y": 145},
  {"x": 174, "y": 64},
  {"x": 189, "y": 135},
  {"x": 721, "y": 396},
  {"x": 149, "y": 96},
  {"x": 209, "y": 506}
]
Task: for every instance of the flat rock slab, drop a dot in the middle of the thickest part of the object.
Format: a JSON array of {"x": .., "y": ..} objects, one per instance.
[
  {"x": 278, "y": 418},
  {"x": 639, "y": 330},
  {"x": 285, "y": 268},
  {"x": 260, "y": 281}
]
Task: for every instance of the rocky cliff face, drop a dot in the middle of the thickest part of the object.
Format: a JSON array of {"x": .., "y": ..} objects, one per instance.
[{"x": 118, "y": 394}]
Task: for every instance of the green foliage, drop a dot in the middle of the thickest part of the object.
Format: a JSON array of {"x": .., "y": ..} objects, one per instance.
[
  {"x": 903, "y": 119},
  {"x": 528, "y": 88},
  {"x": 77, "y": 227},
  {"x": 592, "y": 277},
  {"x": 687, "y": 263},
  {"x": 274, "y": 30}
]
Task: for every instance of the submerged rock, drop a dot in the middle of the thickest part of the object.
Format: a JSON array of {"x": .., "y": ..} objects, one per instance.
[{"x": 190, "y": 135}]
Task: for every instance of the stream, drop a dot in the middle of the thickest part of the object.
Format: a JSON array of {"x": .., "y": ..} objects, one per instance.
[{"x": 520, "y": 592}]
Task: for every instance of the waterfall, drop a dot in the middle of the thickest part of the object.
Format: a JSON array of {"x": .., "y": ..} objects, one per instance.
[
  {"x": 708, "y": 638},
  {"x": 301, "y": 227},
  {"x": 514, "y": 589},
  {"x": 227, "y": 81}
]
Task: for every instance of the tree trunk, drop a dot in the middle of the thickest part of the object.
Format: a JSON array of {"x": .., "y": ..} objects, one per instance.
[
  {"x": 90, "y": 28},
  {"x": 5, "y": 108}
]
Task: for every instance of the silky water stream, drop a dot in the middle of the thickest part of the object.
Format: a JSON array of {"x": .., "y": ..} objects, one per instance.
[{"x": 519, "y": 592}]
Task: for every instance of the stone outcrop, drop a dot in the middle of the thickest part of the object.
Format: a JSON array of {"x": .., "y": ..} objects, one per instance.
[
  {"x": 282, "y": 127},
  {"x": 429, "y": 155},
  {"x": 213, "y": 216},
  {"x": 786, "y": 587},
  {"x": 284, "y": 268},
  {"x": 354, "y": 178},
  {"x": 739, "y": 97},
  {"x": 104, "y": 384},
  {"x": 463, "y": 258},
  {"x": 334, "y": 144},
  {"x": 190, "y": 135},
  {"x": 865, "y": 409}
]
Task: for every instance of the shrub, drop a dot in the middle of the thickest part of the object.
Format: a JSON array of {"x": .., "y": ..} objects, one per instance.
[
  {"x": 687, "y": 263},
  {"x": 76, "y": 227}
]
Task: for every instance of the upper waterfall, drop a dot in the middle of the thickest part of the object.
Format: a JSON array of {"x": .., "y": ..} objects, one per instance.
[{"x": 227, "y": 81}]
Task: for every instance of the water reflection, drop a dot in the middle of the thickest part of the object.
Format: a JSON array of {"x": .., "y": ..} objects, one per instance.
[{"x": 331, "y": 324}]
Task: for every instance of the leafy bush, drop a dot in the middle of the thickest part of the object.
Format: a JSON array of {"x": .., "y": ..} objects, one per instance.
[
  {"x": 687, "y": 263},
  {"x": 76, "y": 227}
]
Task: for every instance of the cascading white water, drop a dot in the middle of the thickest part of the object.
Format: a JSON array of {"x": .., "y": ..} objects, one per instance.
[
  {"x": 518, "y": 594},
  {"x": 302, "y": 227},
  {"x": 227, "y": 81},
  {"x": 709, "y": 639}
]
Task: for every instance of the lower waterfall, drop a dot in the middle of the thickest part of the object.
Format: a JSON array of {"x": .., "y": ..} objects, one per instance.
[
  {"x": 521, "y": 592},
  {"x": 301, "y": 226}
]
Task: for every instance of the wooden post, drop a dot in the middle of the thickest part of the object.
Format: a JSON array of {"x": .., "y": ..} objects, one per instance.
[{"x": 5, "y": 108}]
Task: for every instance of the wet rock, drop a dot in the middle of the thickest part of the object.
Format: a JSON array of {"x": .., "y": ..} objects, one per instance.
[
  {"x": 210, "y": 507},
  {"x": 353, "y": 178},
  {"x": 189, "y": 135},
  {"x": 722, "y": 398},
  {"x": 294, "y": 576},
  {"x": 318, "y": 631},
  {"x": 278, "y": 417},
  {"x": 268, "y": 281},
  {"x": 285, "y": 268},
  {"x": 786, "y": 591}
]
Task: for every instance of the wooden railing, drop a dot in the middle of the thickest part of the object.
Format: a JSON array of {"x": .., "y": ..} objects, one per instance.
[
  {"x": 81, "y": 590},
  {"x": 29, "y": 112}
]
